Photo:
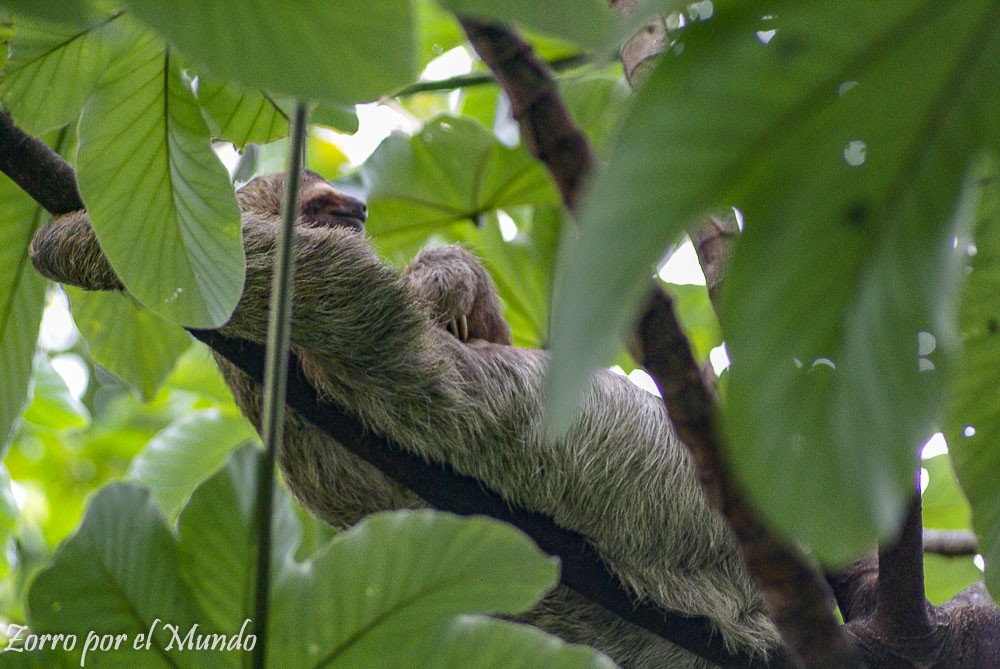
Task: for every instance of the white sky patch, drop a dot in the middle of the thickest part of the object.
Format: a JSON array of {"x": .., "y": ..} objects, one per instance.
[
  {"x": 638, "y": 378},
  {"x": 979, "y": 562},
  {"x": 682, "y": 266},
  {"x": 451, "y": 63},
  {"x": 376, "y": 121},
  {"x": 925, "y": 479},
  {"x": 934, "y": 447},
  {"x": 719, "y": 357},
  {"x": 228, "y": 154},
  {"x": 508, "y": 228},
  {"x": 58, "y": 331},
  {"x": 74, "y": 373}
]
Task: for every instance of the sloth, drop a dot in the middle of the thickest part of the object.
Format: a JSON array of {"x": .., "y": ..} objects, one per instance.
[{"x": 424, "y": 358}]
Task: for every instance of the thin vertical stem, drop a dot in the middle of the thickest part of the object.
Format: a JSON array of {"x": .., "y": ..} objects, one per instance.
[{"x": 276, "y": 379}]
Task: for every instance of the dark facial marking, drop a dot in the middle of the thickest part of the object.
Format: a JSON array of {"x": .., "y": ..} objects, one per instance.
[{"x": 323, "y": 206}]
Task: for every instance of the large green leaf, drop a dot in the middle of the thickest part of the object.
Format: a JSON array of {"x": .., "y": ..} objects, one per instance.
[
  {"x": 217, "y": 540},
  {"x": 6, "y": 32},
  {"x": 944, "y": 507},
  {"x": 119, "y": 575},
  {"x": 186, "y": 453},
  {"x": 52, "y": 405},
  {"x": 586, "y": 22},
  {"x": 348, "y": 51},
  {"x": 522, "y": 269},
  {"x": 159, "y": 199},
  {"x": 378, "y": 592},
  {"x": 240, "y": 115},
  {"x": 845, "y": 149},
  {"x": 53, "y": 68},
  {"x": 386, "y": 593},
  {"x": 973, "y": 420},
  {"x": 510, "y": 646},
  {"x": 437, "y": 29},
  {"x": 452, "y": 170},
  {"x": 22, "y": 300},
  {"x": 77, "y": 11},
  {"x": 132, "y": 343}
]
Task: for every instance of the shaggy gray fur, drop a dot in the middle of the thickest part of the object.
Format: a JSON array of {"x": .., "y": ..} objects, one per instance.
[{"x": 369, "y": 342}]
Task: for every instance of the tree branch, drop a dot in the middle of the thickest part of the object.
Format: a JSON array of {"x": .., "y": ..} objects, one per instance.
[
  {"x": 37, "y": 169},
  {"x": 547, "y": 128},
  {"x": 794, "y": 592},
  {"x": 713, "y": 242},
  {"x": 795, "y": 595},
  {"x": 900, "y": 605},
  {"x": 950, "y": 543}
]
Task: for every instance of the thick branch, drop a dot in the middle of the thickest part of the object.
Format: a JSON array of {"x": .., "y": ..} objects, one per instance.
[
  {"x": 546, "y": 125},
  {"x": 795, "y": 595},
  {"x": 900, "y": 604},
  {"x": 640, "y": 52},
  {"x": 37, "y": 169},
  {"x": 713, "y": 242}
]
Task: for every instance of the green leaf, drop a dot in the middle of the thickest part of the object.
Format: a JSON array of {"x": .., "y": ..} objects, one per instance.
[
  {"x": 349, "y": 51},
  {"x": 53, "y": 68},
  {"x": 586, "y": 23},
  {"x": 848, "y": 195},
  {"x": 972, "y": 425},
  {"x": 119, "y": 575},
  {"x": 473, "y": 642},
  {"x": 239, "y": 115},
  {"x": 6, "y": 32},
  {"x": 945, "y": 577},
  {"x": 452, "y": 170},
  {"x": 694, "y": 308},
  {"x": 380, "y": 594},
  {"x": 377, "y": 594},
  {"x": 943, "y": 504},
  {"x": 188, "y": 452},
  {"x": 36, "y": 659},
  {"x": 76, "y": 11},
  {"x": 522, "y": 269},
  {"x": 132, "y": 343},
  {"x": 10, "y": 519},
  {"x": 197, "y": 372},
  {"x": 597, "y": 105},
  {"x": 52, "y": 404},
  {"x": 338, "y": 116},
  {"x": 159, "y": 199},
  {"x": 22, "y": 300},
  {"x": 218, "y": 549},
  {"x": 437, "y": 29}
]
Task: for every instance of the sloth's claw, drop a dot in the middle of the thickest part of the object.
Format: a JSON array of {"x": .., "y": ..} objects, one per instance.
[{"x": 459, "y": 328}]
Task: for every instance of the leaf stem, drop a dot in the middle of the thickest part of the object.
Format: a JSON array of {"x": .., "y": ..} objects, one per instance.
[{"x": 276, "y": 379}]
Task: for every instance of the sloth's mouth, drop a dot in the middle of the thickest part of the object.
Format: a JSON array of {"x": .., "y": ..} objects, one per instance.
[{"x": 349, "y": 220}]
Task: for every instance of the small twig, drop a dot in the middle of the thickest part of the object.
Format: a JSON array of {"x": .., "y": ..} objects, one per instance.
[
  {"x": 951, "y": 543},
  {"x": 481, "y": 78}
]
